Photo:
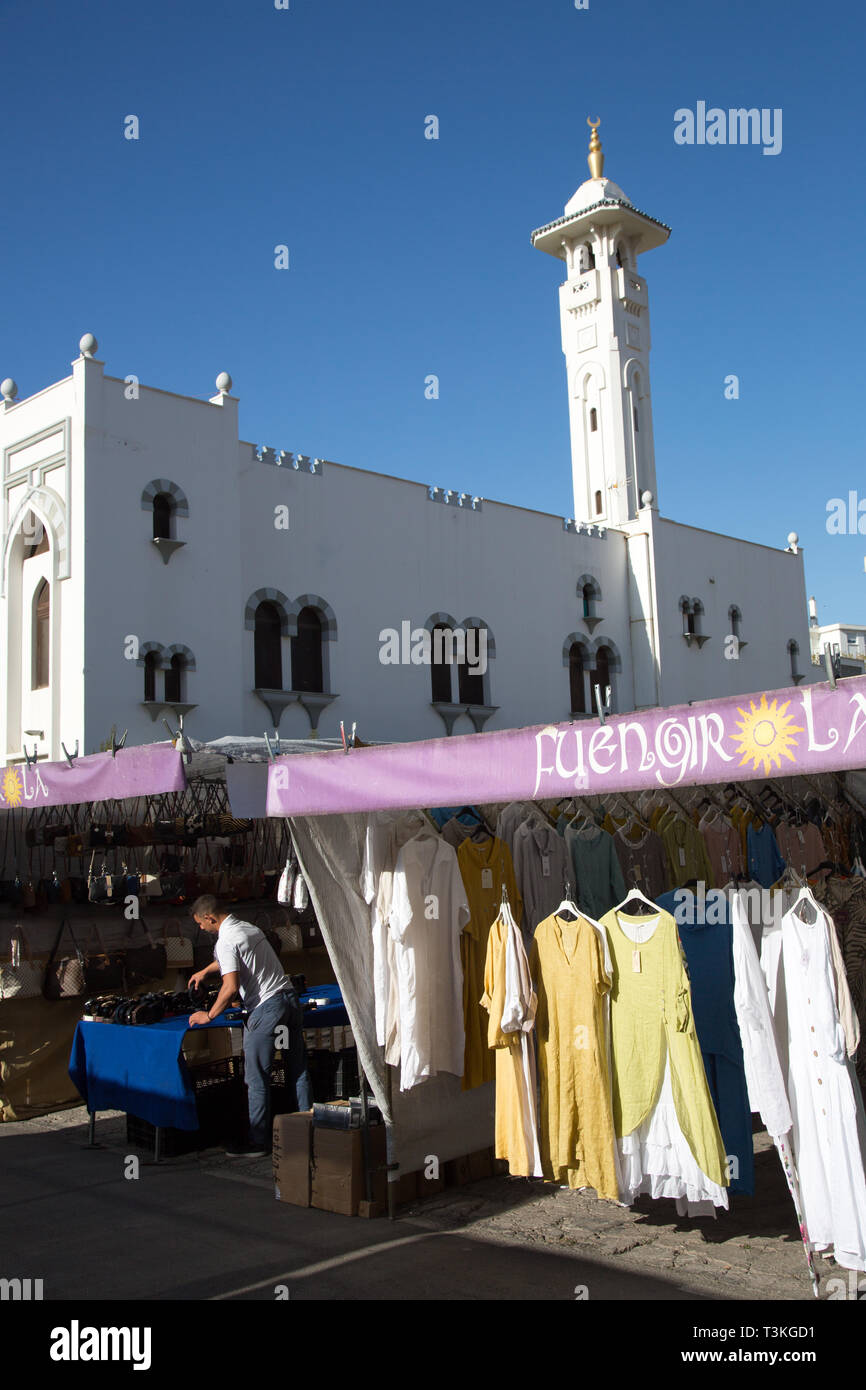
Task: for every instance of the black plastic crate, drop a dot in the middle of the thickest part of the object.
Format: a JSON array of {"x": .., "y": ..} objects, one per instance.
[
  {"x": 333, "y": 1075},
  {"x": 221, "y": 1106}
]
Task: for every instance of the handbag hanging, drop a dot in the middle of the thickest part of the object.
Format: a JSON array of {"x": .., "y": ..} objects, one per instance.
[
  {"x": 143, "y": 963},
  {"x": 20, "y": 979},
  {"x": 103, "y": 888},
  {"x": 103, "y": 970},
  {"x": 64, "y": 978},
  {"x": 178, "y": 948}
]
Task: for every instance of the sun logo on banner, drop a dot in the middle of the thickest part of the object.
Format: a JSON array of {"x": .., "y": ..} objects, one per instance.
[
  {"x": 12, "y": 788},
  {"x": 767, "y": 734}
]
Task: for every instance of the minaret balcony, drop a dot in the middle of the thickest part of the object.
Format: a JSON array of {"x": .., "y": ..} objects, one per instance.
[
  {"x": 631, "y": 290},
  {"x": 580, "y": 291}
]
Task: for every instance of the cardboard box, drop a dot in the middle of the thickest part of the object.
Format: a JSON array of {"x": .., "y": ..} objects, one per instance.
[
  {"x": 480, "y": 1164},
  {"x": 456, "y": 1172},
  {"x": 338, "y": 1169},
  {"x": 293, "y": 1144}
]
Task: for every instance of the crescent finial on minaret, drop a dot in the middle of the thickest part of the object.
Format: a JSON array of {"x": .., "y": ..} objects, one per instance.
[{"x": 595, "y": 158}]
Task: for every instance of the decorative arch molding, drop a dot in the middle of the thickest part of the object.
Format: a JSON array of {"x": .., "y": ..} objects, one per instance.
[
  {"x": 52, "y": 513},
  {"x": 634, "y": 369},
  {"x": 280, "y": 602},
  {"x": 158, "y": 485},
  {"x": 615, "y": 661},
  {"x": 579, "y": 639},
  {"x": 178, "y": 649},
  {"x": 588, "y": 371},
  {"x": 322, "y": 607},
  {"x": 145, "y": 649},
  {"x": 589, "y": 579},
  {"x": 440, "y": 620},
  {"x": 479, "y": 622}
]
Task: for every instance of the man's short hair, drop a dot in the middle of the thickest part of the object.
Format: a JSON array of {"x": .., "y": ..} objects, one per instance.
[{"x": 207, "y": 906}]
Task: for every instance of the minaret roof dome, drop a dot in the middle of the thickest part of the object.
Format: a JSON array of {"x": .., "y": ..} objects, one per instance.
[{"x": 591, "y": 193}]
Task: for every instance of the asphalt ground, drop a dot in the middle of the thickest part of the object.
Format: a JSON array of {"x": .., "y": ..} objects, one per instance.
[{"x": 206, "y": 1227}]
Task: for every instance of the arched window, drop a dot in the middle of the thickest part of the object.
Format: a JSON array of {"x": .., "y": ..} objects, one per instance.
[
  {"x": 267, "y": 648},
  {"x": 175, "y": 679},
  {"x": 601, "y": 675},
  {"x": 440, "y": 666},
  {"x": 593, "y": 419},
  {"x": 736, "y": 618},
  {"x": 307, "y": 652},
  {"x": 576, "y": 682},
  {"x": 163, "y": 509},
  {"x": 598, "y": 504},
  {"x": 587, "y": 257},
  {"x": 793, "y": 653},
  {"x": 41, "y": 635},
  {"x": 470, "y": 682},
  {"x": 619, "y": 260},
  {"x": 151, "y": 662}
]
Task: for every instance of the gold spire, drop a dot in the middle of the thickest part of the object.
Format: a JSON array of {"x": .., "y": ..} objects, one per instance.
[{"x": 595, "y": 158}]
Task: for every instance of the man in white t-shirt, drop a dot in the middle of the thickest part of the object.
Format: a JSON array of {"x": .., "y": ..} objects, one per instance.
[{"x": 250, "y": 967}]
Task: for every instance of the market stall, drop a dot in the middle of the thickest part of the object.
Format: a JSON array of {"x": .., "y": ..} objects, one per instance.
[
  {"x": 689, "y": 786},
  {"x": 100, "y": 858}
]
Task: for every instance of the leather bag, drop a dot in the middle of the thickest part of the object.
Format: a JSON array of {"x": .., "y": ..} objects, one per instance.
[
  {"x": 20, "y": 979},
  {"x": 144, "y": 963},
  {"x": 64, "y": 978}
]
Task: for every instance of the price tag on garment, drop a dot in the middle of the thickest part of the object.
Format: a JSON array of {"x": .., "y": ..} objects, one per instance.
[
  {"x": 486, "y": 878},
  {"x": 545, "y": 866},
  {"x": 636, "y": 871},
  {"x": 682, "y": 859},
  {"x": 635, "y": 961},
  {"x": 802, "y": 836}
]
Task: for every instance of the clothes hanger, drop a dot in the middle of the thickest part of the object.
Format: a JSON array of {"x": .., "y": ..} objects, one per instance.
[
  {"x": 636, "y": 893},
  {"x": 806, "y": 895},
  {"x": 567, "y": 906}
]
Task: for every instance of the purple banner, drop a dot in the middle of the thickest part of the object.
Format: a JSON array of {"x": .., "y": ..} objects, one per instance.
[
  {"x": 158, "y": 767},
  {"x": 777, "y": 734}
]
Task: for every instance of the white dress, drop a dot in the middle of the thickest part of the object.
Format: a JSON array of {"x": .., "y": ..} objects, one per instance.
[
  {"x": 825, "y": 1106},
  {"x": 428, "y": 912},
  {"x": 764, "y": 1077}
]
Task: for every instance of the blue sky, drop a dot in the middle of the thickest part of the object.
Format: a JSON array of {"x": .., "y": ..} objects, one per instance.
[{"x": 411, "y": 256}]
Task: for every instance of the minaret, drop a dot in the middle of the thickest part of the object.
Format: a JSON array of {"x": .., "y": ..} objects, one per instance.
[{"x": 604, "y": 311}]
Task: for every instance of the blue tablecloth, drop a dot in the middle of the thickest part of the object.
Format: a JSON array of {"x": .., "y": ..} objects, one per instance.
[{"x": 141, "y": 1070}]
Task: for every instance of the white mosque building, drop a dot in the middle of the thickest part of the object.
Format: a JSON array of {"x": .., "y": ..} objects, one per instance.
[{"x": 154, "y": 564}]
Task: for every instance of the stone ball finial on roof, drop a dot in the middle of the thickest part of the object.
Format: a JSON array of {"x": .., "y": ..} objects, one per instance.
[
  {"x": 224, "y": 383},
  {"x": 646, "y": 498},
  {"x": 88, "y": 345},
  {"x": 793, "y": 539},
  {"x": 8, "y": 389}
]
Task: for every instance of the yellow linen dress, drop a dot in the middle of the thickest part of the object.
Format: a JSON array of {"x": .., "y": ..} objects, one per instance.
[
  {"x": 484, "y": 868},
  {"x": 516, "y": 1138},
  {"x": 577, "y": 1135}
]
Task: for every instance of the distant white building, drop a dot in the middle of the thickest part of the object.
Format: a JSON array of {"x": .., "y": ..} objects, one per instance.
[
  {"x": 154, "y": 564},
  {"x": 845, "y": 640}
]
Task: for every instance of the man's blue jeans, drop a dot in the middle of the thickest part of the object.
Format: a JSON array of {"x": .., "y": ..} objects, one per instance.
[{"x": 259, "y": 1046}]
